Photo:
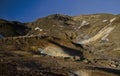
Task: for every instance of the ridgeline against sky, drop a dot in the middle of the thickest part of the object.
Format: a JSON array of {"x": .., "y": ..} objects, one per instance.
[{"x": 29, "y": 10}]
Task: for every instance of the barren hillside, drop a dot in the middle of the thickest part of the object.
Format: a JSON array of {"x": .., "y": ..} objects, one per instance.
[{"x": 61, "y": 45}]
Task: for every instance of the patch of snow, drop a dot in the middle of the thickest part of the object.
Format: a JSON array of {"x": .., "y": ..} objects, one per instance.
[
  {"x": 113, "y": 19},
  {"x": 104, "y": 21},
  {"x": 105, "y": 38},
  {"x": 84, "y": 23},
  {"x": 106, "y": 35},
  {"x": 1, "y": 36},
  {"x": 101, "y": 34},
  {"x": 42, "y": 51},
  {"x": 80, "y": 73},
  {"x": 37, "y": 28},
  {"x": 53, "y": 51}
]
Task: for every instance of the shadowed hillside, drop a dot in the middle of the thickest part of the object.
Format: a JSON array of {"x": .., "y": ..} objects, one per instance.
[{"x": 12, "y": 28}]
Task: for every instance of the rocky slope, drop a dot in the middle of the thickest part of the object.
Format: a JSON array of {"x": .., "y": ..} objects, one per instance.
[
  {"x": 12, "y": 28},
  {"x": 61, "y": 45}
]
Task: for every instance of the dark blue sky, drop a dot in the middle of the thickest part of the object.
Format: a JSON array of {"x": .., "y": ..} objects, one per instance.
[{"x": 30, "y": 10}]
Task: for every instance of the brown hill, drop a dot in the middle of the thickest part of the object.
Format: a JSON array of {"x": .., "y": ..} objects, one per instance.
[
  {"x": 61, "y": 45},
  {"x": 12, "y": 28}
]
